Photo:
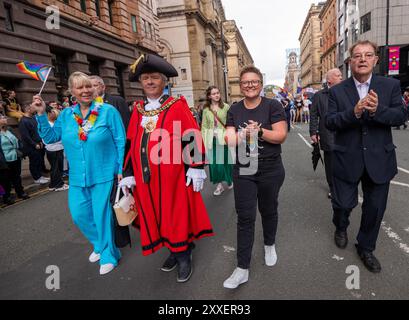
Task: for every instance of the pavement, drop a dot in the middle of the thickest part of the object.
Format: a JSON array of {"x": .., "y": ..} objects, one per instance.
[{"x": 39, "y": 240}]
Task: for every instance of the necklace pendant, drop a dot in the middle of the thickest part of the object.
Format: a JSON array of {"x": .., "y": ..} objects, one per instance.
[{"x": 150, "y": 126}]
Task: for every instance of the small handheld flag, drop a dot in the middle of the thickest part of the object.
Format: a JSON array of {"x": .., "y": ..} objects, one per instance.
[{"x": 36, "y": 70}]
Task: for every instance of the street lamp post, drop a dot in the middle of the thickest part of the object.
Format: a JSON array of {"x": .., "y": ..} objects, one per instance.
[
  {"x": 387, "y": 37},
  {"x": 224, "y": 66}
]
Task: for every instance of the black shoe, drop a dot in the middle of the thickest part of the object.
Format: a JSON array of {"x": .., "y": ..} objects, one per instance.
[
  {"x": 341, "y": 239},
  {"x": 370, "y": 261},
  {"x": 23, "y": 196},
  {"x": 170, "y": 263},
  {"x": 185, "y": 269},
  {"x": 8, "y": 201}
]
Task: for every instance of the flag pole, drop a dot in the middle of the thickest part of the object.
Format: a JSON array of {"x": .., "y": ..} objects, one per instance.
[{"x": 45, "y": 80}]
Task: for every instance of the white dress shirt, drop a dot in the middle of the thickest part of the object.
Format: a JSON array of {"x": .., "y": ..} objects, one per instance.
[{"x": 363, "y": 88}]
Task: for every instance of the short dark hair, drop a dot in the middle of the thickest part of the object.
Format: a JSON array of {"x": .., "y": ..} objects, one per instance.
[
  {"x": 251, "y": 69},
  {"x": 363, "y": 42}
]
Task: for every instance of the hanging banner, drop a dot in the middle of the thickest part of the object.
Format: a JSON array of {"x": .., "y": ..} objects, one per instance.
[{"x": 394, "y": 55}]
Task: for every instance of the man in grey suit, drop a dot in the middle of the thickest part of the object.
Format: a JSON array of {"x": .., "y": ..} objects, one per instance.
[
  {"x": 361, "y": 111},
  {"x": 318, "y": 132}
]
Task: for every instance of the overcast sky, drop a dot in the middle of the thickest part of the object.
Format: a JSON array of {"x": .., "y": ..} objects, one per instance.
[{"x": 269, "y": 27}]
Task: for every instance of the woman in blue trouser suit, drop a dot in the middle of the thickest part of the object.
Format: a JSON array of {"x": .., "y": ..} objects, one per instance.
[{"x": 94, "y": 141}]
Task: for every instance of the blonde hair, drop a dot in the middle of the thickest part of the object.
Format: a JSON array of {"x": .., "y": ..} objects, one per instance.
[{"x": 78, "y": 78}]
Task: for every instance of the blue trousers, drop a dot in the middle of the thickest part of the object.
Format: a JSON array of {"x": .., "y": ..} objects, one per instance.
[{"x": 91, "y": 211}]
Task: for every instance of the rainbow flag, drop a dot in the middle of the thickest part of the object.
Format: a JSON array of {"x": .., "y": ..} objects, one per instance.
[{"x": 36, "y": 70}]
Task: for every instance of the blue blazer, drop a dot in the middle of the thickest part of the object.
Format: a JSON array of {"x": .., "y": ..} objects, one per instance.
[{"x": 365, "y": 143}]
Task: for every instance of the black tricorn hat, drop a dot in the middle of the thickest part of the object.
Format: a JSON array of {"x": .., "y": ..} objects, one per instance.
[{"x": 148, "y": 63}]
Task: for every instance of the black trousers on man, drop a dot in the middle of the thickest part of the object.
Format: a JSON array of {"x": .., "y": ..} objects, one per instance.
[
  {"x": 36, "y": 163},
  {"x": 11, "y": 177},
  {"x": 56, "y": 160},
  {"x": 261, "y": 188},
  {"x": 345, "y": 198},
  {"x": 328, "y": 172}
]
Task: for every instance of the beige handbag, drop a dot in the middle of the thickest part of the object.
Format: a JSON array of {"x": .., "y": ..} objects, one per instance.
[{"x": 124, "y": 208}]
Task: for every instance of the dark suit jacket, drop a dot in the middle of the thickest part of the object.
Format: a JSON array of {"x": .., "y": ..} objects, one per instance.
[
  {"x": 120, "y": 104},
  {"x": 319, "y": 109},
  {"x": 365, "y": 143}
]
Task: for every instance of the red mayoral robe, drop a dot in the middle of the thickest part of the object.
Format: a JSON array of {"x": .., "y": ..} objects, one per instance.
[{"x": 169, "y": 213}]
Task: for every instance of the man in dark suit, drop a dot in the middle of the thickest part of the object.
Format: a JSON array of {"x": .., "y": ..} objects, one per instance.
[
  {"x": 361, "y": 111},
  {"x": 318, "y": 132},
  {"x": 122, "y": 236}
]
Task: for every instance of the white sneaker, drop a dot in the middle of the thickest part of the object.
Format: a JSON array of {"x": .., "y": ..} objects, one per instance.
[
  {"x": 45, "y": 178},
  {"x": 106, "y": 268},
  {"x": 94, "y": 257},
  {"x": 270, "y": 255},
  {"x": 41, "y": 180},
  {"x": 219, "y": 190},
  {"x": 230, "y": 186},
  {"x": 238, "y": 277},
  {"x": 63, "y": 188}
]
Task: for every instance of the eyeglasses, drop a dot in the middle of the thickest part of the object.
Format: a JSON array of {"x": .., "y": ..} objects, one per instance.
[
  {"x": 253, "y": 83},
  {"x": 367, "y": 55}
]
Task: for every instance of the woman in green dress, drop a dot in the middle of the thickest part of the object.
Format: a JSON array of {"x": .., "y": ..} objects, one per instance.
[{"x": 213, "y": 130}]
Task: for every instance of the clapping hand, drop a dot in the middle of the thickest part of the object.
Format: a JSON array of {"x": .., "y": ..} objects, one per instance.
[{"x": 371, "y": 102}]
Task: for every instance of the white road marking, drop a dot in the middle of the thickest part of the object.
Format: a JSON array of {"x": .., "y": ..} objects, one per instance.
[
  {"x": 392, "y": 234},
  {"x": 395, "y": 238},
  {"x": 306, "y": 142},
  {"x": 403, "y": 170},
  {"x": 335, "y": 257},
  {"x": 400, "y": 184},
  {"x": 228, "y": 249}
]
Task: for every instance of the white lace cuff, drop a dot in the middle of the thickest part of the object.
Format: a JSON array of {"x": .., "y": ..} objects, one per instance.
[{"x": 196, "y": 173}]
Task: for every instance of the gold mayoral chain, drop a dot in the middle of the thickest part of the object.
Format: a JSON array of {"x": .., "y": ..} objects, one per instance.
[{"x": 150, "y": 125}]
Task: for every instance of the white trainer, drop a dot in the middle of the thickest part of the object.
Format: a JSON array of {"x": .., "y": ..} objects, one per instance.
[
  {"x": 219, "y": 190},
  {"x": 63, "y": 188},
  {"x": 41, "y": 180},
  {"x": 238, "y": 277},
  {"x": 230, "y": 186},
  {"x": 106, "y": 268},
  {"x": 270, "y": 255},
  {"x": 94, "y": 257}
]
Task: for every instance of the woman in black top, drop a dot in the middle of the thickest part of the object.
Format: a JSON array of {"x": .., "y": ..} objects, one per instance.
[{"x": 257, "y": 127}]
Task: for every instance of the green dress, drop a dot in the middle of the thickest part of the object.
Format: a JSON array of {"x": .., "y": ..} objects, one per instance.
[{"x": 218, "y": 155}]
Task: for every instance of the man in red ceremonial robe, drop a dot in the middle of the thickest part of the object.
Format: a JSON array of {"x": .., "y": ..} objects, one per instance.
[{"x": 165, "y": 163}]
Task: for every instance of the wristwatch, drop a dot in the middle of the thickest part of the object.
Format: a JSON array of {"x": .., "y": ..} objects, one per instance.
[{"x": 260, "y": 133}]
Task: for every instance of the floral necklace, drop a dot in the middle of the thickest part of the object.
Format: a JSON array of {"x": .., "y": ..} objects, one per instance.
[{"x": 85, "y": 125}]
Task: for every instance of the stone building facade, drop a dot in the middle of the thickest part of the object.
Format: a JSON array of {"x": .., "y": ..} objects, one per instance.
[
  {"x": 191, "y": 39},
  {"x": 238, "y": 56},
  {"x": 94, "y": 36},
  {"x": 328, "y": 17},
  {"x": 311, "y": 48}
]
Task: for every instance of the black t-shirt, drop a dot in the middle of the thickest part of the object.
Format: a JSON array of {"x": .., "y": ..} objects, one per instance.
[{"x": 268, "y": 112}]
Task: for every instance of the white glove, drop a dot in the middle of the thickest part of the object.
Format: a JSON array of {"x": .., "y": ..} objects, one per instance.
[
  {"x": 198, "y": 177},
  {"x": 127, "y": 183}
]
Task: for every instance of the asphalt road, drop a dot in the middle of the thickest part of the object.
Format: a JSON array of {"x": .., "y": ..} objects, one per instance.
[{"x": 37, "y": 233}]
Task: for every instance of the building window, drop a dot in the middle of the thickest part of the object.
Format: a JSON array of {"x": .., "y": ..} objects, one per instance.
[
  {"x": 143, "y": 27},
  {"x": 111, "y": 11},
  {"x": 183, "y": 74},
  {"x": 341, "y": 25},
  {"x": 93, "y": 67},
  {"x": 346, "y": 39},
  {"x": 134, "y": 25},
  {"x": 83, "y": 4},
  {"x": 98, "y": 8},
  {"x": 67, "y": 1},
  {"x": 150, "y": 30},
  {"x": 9, "y": 17},
  {"x": 366, "y": 23}
]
